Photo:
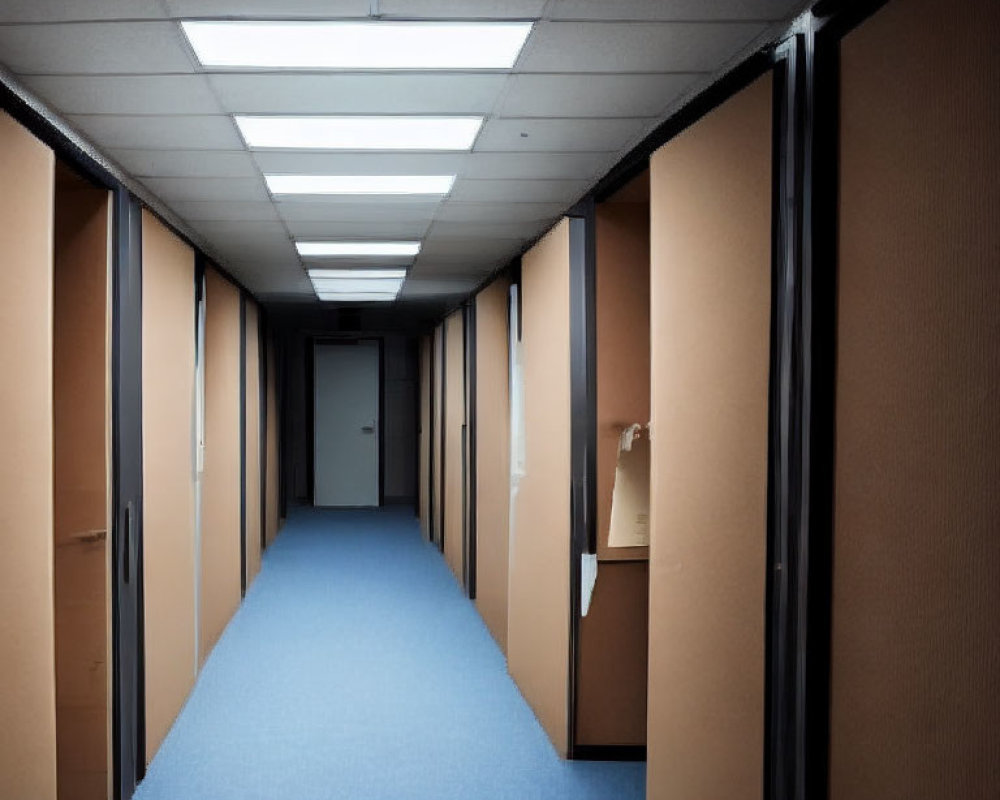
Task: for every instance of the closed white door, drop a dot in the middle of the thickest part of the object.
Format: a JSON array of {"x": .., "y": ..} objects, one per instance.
[{"x": 346, "y": 424}]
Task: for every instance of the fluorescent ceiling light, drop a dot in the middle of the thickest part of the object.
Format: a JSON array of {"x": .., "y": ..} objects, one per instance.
[
  {"x": 375, "y": 274},
  {"x": 359, "y": 184},
  {"x": 351, "y": 285},
  {"x": 357, "y": 297},
  {"x": 360, "y": 133},
  {"x": 357, "y": 45},
  {"x": 358, "y": 248}
]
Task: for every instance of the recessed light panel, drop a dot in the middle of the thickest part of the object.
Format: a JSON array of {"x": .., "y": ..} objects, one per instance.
[
  {"x": 360, "y": 184},
  {"x": 359, "y": 133},
  {"x": 355, "y": 298},
  {"x": 373, "y": 274},
  {"x": 333, "y": 249},
  {"x": 357, "y": 45}
]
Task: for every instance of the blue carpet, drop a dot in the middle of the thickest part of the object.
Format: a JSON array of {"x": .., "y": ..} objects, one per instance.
[{"x": 356, "y": 669}]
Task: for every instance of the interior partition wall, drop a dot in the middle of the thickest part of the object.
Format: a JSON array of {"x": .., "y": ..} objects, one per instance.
[
  {"x": 491, "y": 392},
  {"x": 711, "y": 261},
  {"x": 82, "y": 484},
  {"x": 220, "y": 536},
  {"x": 27, "y": 671},
  {"x": 452, "y": 447},
  {"x": 169, "y": 467},
  {"x": 538, "y": 638},
  {"x": 915, "y": 655}
]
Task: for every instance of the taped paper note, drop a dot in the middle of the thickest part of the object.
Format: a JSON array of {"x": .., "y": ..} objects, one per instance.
[{"x": 630, "y": 499}]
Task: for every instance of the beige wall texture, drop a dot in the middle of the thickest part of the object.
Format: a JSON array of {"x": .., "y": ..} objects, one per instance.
[
  {"x": 710, "y": 301},
  {"x": 220, "y": 499},
  {"x": 492, "y": 457},
  {"x": 538, "y": 621},
  {"x": 27, "y": 670},
  {"x": 168, "y": 395},
  {"x": 915, "y": 695}
]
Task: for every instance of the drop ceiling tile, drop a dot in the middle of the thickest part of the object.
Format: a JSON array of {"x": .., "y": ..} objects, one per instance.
[
  {"x": 94, "y": 48},
  {"x": 529, "y": 191},
  {"x": 307, "y": 163},
  {"x": 62, "y": 11},
  {"x": 186, "y": 163},
  {"x": 593, "y": 95},
  {"x": 207, "y": 189},
  {"x": 522, "y": 231},
  {"x": 268, "y": 9},
  {"x": 125, "y": 94},
  {"x": 580, "y": 166},
  {"x": 222, "y": 211},
  {"x": 635, "y": 47},
  {"x": 645, "y": 10},
  {"x": 110, "y": 132},
  {"x": 415, "y": 229},
  {"x": 401, "y": 93},
  {"x": 559, "y": 135},
  {"x": 463, "y": 9},
  {"x": 305, "y": 211},
  {"x": 499, "y": 212}
]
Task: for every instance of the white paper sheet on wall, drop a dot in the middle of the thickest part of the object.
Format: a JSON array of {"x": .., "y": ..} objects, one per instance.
[{"x": 630, "y": 499}]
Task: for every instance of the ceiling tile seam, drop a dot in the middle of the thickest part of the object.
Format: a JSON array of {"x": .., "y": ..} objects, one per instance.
[
  {"x": 246, "y": 149},
  {"x": 119, "y": 173}
]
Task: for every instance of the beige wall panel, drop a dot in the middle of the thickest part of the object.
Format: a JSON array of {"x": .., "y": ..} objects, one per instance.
[
  {"x": 622, "y": 307},
  {"x": 81, "y": 397},
  {"x": 454, "y": 474},
  {"x": 168, "y": 358},
  {"x": 254, "y": 495},
  {"x": 711, "y": 267},
  {"x": 438, "y": 438},
  {"x": 425, "y": 433},
  {"x": 915, "y": 705},
  {"x": 273, "y": 473},
  {"x": 27, "y": 670},
  {"x": 220, "y": 511},
  {"x": 538, "y": 622},
  {"x": 492, "y": 457},
  {"x": 611, "y": 672}
]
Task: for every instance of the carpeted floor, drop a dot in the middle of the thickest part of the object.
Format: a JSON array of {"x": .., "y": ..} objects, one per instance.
[{"x": 356, "y": 669}]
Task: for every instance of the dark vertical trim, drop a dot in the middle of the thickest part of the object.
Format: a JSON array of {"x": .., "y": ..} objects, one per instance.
[
  {"x": 381, "y": 421},
  {"x": 243, "y": 444},
  {"x": 128, "y": 669},
  {"x": 583, "y": 431},
  {"x": 471, "y": 335}
]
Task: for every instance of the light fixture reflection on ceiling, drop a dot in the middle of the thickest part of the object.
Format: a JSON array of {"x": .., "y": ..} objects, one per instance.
[
  {"x": 360, "y": 184},
  {"x": 359, "y": 133},
  {"x": 374, "y": 45},
  {"x": 334, "y": 249}
]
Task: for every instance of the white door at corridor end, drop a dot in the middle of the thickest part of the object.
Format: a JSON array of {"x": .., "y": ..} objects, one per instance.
[{"x": 346, "y": 426}]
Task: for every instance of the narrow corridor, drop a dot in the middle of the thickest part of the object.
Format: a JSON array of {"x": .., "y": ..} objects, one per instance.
[{"x": 357, "y": 669}]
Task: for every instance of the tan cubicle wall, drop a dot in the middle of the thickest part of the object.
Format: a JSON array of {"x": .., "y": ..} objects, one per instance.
[
  {"x": 273, "y": 468},
  {"x": 27, "y": 670},
  {"x": 424, "y": 452},
  {"x": 437, "y": 440},
  {"x": 710, "y": 192},
  {"x": 82, "y": 410},
  {"x": 168, "y": 424},
  {"x": 219, "y": 561},
  {"x": 453, "y": 485},
  {"x": 538, "y": 602},
  {"x": 915, "y": 672},
  {"x": 613, "y": 638},
  {"x": 492, "y": 457},
  {"x": 252, "y": 442}
]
